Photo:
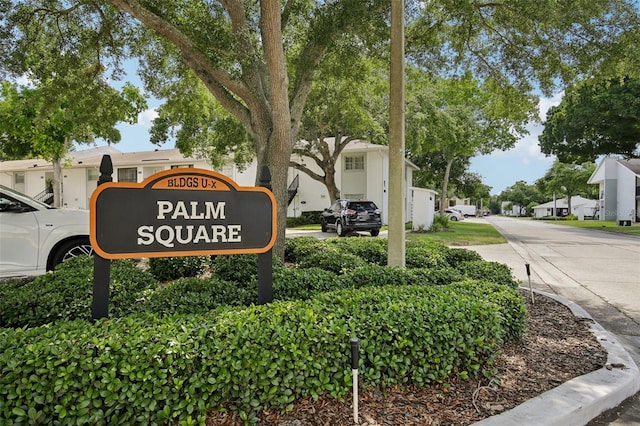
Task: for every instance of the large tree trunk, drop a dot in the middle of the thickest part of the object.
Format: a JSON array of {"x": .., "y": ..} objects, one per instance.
[
  {"x": 58, "y": 189},
  {"x": 57, "y": 182},
  {"x": 330, "y": 183},
  {"x": 280, "y": 142}
]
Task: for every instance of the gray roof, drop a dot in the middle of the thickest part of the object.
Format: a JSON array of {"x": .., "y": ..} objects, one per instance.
[
  {"x": 92, "y": 158},
  {"x": 632, "y": 164}
]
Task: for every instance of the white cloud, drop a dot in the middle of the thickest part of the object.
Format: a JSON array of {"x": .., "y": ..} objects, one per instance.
[
  {"x": 546, "y": 103},
  {"x": 146, "y": 117}
]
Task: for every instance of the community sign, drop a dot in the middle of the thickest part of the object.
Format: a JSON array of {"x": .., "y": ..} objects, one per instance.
[{"x": 181, "y": 212}]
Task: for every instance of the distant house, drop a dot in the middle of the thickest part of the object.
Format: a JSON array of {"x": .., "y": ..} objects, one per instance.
[
  {"x": 362, "y": 172},
  {"x": 507, "y": 208},
  {"x": 580, "y": 207},
  {"x": 619, "y": 182},
  {"x": 80, "y": 171}
]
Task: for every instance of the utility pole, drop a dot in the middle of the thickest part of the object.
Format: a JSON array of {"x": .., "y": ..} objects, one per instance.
[{"x": 397, "y": 184}]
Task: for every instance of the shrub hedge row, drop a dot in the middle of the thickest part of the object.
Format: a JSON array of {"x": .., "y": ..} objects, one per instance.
[
  {"x": 151, "y": 369},
  {"x": 172, "y": 351}
]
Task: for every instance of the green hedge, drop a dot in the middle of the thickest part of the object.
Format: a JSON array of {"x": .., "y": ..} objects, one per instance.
[
  {"x": 332, "y": 259},
  {"x": 423, "y": 254},
  {"x": 194, "y": 295},
  {"x": 305, "y": 218},
  {"x": 495, "y": 272},
  {"x": 373, "y": 250},
  {"x": 302, "y": 284},
  {"x": 238, "y": 268},
  {"x": 172, "y": 268},
  {"x": 66, "y": 293},
  {"x": 298, "y": 248},
  {"x": 170, "y": 353},
  {"x": 377, "y": 276},
  {"x": 454, "y": 256},
  {"x": 148, "y": 369}
]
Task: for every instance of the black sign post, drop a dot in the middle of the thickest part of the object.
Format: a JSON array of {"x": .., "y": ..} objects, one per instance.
[
  {"x": 265, "y": 260},
  {"x": 102, "y": 266}
]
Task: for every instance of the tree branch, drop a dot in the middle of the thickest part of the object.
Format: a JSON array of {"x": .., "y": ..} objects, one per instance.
[{"x": 220, "y": 83}]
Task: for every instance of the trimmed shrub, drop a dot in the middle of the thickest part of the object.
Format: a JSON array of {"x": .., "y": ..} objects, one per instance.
[
  {"x": 332, "y": 259},
  {"x": 494, "y": 272},
  {"x": 197, "y": 295},
  {"x": 305, "y": 218},
  {"x": 373, "y": 250},
  {"x": 376, "y": 276},
  {"x": 510, "y": 301},
  {"x": 434, "y": 276},
  {"x": 302, "y": 284},
  {"x": 296, "y": 249},
  {"x": 239, "y": 268},
  {"x": 457, "y": 255},
  {"x": 151, "y": 370},
  {"x": 67, "y": 293},
  {"x": 425, "y": 254},
  {"x": 171, "y": 268}
]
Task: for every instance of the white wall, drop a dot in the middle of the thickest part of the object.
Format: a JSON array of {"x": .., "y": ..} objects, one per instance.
[
  {"x": 6, "y": 179},
  {"x": 74, "y": 187},
  {"x": 626, "y": 194},
  {"x": 34, "y": 182},
  {"x": 423, "y": 206}
]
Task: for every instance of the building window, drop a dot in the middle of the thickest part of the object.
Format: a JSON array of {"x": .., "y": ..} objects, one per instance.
[
  {"x": 93, "y": 174},
  {"x": 354, "y": 162},
  {"x": 18, "y": 178},
  {"x": 129, "y": 174},
  {"x": 182, "y": 166}
]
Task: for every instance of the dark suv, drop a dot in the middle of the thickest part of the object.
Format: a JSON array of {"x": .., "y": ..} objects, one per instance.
[{"x": 350, "y": 215}]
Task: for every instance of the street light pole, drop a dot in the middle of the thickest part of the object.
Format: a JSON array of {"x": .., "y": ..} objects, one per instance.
[{"x": 397, "y": 184}]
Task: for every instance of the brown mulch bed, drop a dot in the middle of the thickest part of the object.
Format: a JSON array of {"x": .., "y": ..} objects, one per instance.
[{"x": 555, "y": 348}]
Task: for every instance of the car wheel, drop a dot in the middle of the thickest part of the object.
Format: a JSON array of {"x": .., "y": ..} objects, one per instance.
[
  {"x": 454, "y": 218},
  {"x": 375, "y": 232},
  {"x": 323, "y": 225},
  {"x": 340, "y": 229},
  {"x": 70, "y": 249}
]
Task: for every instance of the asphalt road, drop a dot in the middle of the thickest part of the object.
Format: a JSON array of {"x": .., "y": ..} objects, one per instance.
[{"x": 600, "y": 271}]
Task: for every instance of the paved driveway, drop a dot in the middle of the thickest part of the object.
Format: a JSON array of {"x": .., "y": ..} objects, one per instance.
[{"x": 600, "y": 271}]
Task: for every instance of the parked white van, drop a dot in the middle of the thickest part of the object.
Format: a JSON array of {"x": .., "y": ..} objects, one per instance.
[{"x": 465, "y": 210}]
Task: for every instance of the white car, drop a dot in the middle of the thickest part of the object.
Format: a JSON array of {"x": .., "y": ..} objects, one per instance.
[
  {"x": 454, "y": 215},
  {"x": 35, "y": 237}
]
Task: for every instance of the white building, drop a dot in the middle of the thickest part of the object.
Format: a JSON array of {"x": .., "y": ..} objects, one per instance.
[
  {"x": 619, "y": 182},
  {"x": 580, "y": 207},
  {"x": 362, "y": 172}
]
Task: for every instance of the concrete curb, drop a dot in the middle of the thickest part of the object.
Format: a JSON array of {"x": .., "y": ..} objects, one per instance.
[{"x": 579, "y": 400}]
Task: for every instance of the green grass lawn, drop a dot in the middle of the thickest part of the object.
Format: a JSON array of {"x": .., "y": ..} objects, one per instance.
[
  {"x": 458, "y": 234},
  {"x": 462, "y": 234},
  {"x": 601, "y": 225}
]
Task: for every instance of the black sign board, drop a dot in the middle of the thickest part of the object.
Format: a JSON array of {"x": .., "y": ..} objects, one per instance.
[{"x": 181, "y": 212}]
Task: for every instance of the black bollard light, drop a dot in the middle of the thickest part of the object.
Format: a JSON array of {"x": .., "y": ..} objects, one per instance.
[{"x": 533, "y": 300}]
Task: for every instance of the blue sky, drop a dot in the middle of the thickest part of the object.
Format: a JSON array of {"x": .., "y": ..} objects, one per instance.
[{"x": 499, "y": 169}]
